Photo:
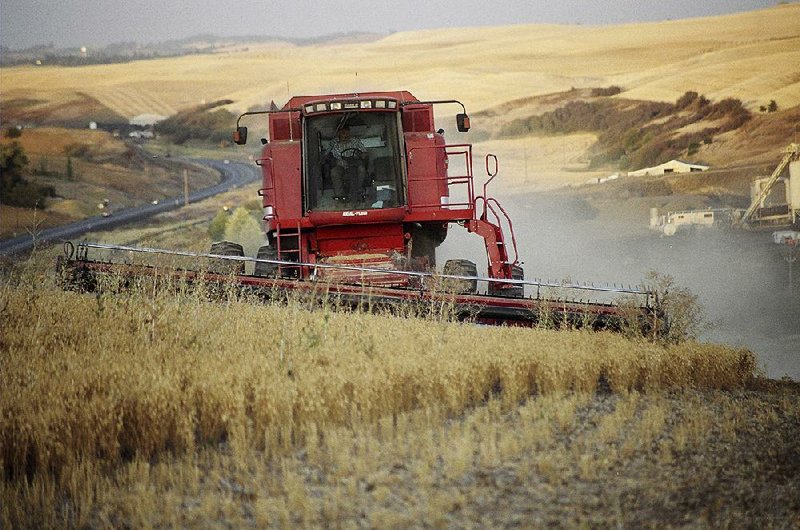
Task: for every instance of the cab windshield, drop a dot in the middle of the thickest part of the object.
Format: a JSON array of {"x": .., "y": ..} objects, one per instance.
[{"x": 352, "y": 161}]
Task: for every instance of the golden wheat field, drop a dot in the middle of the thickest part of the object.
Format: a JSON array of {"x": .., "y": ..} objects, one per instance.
[
  {"x": 163, "y": 406},
  {"x": 158, "y": 408},
  {"x": 745, "y": 55}
]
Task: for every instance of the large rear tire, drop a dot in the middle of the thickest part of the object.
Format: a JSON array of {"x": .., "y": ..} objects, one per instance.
[
  {"x": 227, "y": 248},
  {"x": 517, "y": 291},
  {"x": 266, "y": 269},
  {"x": 509, "y": 290},
  {"x": 460, "y": 267}
]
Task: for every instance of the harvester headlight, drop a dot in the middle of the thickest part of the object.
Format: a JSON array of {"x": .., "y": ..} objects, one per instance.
[
  {"x": 321, "y": 106},
  {"x": 269, "y": 212},
  {"x": 380, "y": 104},
  {"x": 392, "y": 104},
  {"x": 366, "y": 104},
  {"x": 309, "y": 109},
  {"x": 353, "y": 105},
  {"x": 336, "y": 105}
]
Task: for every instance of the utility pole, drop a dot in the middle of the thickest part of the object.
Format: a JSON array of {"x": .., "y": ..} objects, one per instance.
[{"x": 185, "y": 187}]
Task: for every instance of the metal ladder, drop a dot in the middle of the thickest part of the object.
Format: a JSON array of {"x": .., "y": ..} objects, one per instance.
[{"x": 289, "y": 254}]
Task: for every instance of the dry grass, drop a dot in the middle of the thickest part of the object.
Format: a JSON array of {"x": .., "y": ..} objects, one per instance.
[
  {"x": 159, "y": 408},
  {"x": 15, "y": 221}
]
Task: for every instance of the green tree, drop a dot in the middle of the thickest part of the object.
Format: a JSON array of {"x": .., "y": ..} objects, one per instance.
[
  {"x": 243, "y": 228},
  {"x": 14, "y": 189},
  {"x": 773, "y": 106},
  {"x": 70, "y": 172},
  {"x": 216, "y": 229}
]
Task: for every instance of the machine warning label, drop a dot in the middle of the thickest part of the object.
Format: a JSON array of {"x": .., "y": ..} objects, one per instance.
[{"x": 354, "y": 214}]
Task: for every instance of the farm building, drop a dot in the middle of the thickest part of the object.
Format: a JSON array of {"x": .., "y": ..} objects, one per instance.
[
  {"x": 146, "y": 120},
  {"x": 673, "y": 166}
]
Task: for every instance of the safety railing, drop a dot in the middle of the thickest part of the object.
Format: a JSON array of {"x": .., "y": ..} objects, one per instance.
[
  {"x": 492, "y": 205},
  {"x": 455, "y": 183}
]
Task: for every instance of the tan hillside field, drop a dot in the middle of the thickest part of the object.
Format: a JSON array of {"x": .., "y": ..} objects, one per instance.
[{"x": 752, "y": 56}]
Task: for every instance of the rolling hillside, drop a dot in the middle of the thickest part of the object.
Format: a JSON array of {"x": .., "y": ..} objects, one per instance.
[{"x": 749, "y": 56}]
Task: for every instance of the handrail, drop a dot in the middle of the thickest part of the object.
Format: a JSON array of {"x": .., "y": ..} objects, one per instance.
[
  {"x": 487, "y": 204},
  {"x": 464, "y": 150},
  {"x": 492, "y": 175}
]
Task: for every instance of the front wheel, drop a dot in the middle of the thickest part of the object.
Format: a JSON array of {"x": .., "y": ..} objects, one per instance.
[
  {"x": 460, "y": 267},
  {"x": 509, "y": 290},
  {"x": 223, "y": 266},
  {"x": 266, "y": 269}
]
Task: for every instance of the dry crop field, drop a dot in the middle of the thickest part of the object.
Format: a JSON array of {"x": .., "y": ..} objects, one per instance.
[{"x": 158, "y": 408}]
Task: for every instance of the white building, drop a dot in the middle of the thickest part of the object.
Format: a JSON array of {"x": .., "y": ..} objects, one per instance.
[
  {"x": 147, "y": 120},
  {"x": 673, "y": 166}
]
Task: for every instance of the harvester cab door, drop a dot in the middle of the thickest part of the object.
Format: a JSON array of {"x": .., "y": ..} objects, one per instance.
[{"x": 352, "y": 161}]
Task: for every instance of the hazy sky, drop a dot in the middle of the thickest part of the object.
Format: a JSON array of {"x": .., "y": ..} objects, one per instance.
[{"x": 26, "y": 23}]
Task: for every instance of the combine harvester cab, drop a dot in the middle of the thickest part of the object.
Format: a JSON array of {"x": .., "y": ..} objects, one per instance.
[
  {"x": 358, "y": 191},
  {"x": 366, "y": 180}
]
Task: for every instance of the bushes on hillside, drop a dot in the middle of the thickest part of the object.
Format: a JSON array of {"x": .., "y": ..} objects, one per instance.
[
  {"x": 636, "y": 133},
  {"x": 613, "y": 90},
  {"x": 200, "y": 123},
  {"x": 14, "y": 189}
]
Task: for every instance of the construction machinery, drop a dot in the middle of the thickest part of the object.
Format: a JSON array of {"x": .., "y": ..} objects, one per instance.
[
  {"x": 358, "y": 191},
  {"x": 784, "y": 210},
  {"x": 774, "y": 202}
]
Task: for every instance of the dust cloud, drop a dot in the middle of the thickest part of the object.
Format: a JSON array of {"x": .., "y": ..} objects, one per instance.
[{"x": 740, "y": 277}]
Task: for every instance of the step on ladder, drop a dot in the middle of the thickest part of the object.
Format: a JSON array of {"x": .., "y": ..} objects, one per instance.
[{"x": 289, "y": 244}]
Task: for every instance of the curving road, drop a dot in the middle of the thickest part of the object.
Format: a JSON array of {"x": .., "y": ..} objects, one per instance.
[{"x": 234, "y": 174}]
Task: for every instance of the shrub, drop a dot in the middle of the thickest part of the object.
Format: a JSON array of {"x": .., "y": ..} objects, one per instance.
[
  {"x": 613, "y": 90},
  {"x": 686, "y": 100},
  {"x": 200, "y": 123},
  {"x": 683, "y": 312},
  {"x": 243, "y": 228},
  {"x": 216, "y": 229},
  {"x": 14, "y": 189}
]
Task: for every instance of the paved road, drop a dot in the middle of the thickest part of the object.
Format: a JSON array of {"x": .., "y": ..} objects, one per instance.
[{"x": 234, "y": 174}]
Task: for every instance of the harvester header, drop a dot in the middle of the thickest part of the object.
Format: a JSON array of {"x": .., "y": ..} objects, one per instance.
[{"x": 358, "y": 191}]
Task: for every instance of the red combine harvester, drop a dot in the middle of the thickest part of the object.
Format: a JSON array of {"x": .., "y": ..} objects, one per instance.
[
  {"x": 362, "y": 179},
  {"x": 358, "y": 191}
]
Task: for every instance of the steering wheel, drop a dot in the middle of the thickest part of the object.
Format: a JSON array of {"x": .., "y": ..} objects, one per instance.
[{"x": 352, "y": 154}]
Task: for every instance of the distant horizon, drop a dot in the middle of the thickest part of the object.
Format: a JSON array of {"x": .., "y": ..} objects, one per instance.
[
  {"x": 197, "y": 36},
  {"x": 75, "y": 23}
]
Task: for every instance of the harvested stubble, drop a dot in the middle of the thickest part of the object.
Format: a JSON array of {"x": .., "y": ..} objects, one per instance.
[{"x": 91, "y": 384}]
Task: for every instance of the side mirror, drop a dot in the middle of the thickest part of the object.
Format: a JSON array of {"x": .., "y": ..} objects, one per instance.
[
  {"x": 462, "y": 122},
  {"x": 240, "y": 136}
]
